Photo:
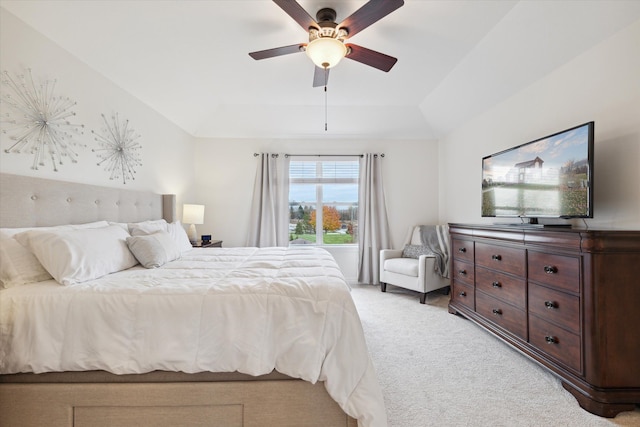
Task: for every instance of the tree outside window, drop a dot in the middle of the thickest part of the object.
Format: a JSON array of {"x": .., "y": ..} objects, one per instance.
[{"x": 330, "y": 219}]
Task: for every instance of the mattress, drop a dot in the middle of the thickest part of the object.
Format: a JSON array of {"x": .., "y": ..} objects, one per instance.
[{"x": 247, "y": 310}]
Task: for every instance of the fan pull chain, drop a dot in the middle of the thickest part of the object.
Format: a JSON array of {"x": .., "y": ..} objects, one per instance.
[
  {"x": 326, "y": 78},
  {"x": 325, "y": 108}
]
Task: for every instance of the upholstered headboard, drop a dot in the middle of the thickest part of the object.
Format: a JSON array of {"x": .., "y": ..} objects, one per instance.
[{"x": 34, "y": 202}]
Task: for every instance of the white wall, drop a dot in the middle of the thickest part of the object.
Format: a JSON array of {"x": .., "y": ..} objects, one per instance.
[
  {"x": 603, "y": 85},
  {"x": 225, "y": 172},
  {"x": 167, "y": 151}
]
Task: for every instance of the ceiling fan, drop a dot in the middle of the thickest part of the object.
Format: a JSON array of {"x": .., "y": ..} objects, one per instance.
[{"x": 327, "y": 45}]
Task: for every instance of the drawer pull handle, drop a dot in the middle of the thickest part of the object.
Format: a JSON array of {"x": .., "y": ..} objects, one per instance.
[
  {"x": 463, "y": 294},
  {"x": 496, "y": 257},
  {"x": 496, "y": 284},
  {"x": 551, "y": 304},
  {"x": 462, "y": 250},
  {"x": 550, "y": 269},
  {"x": 462, "y": 272},
  {"x": 551, "y": 339},
  {"x": 497, "y": 311}
]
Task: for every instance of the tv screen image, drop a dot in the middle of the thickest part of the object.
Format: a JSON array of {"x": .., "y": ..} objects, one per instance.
[{"x": 551, "y": 177}]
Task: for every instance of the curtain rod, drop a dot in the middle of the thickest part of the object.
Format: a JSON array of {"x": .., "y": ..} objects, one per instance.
[{"x": 321, "y": 155}]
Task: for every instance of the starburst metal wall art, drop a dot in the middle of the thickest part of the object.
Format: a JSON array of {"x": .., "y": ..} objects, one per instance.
[
  {"x": 39, "y": 121},
  {"x": 119, "y": 152}
]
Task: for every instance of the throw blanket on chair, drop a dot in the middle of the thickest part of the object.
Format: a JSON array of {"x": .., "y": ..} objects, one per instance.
[{"x": 436, "y": 239}]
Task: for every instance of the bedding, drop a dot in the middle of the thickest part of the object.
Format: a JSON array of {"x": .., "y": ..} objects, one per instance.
[{"x": 247, "y": 310}]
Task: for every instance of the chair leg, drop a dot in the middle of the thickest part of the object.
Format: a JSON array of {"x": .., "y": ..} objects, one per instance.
[
  {"x": 383, "y": 287},
  {"x": 423, "y": 298}
]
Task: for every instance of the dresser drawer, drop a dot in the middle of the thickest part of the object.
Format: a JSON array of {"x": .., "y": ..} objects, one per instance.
[
  {"x": 463, "y": 272},
  {"x": 504, "y": 315},
  {"x": 559, "y": 344},
  {"x": 462, "y": 249},
  {"x": 509, "y": 260},
  {"x": 502, "y": 286},
  {"x": 558, "y": 271},
  {"x": 463, "y": 294},
  {"x": 556, "y": 307}
]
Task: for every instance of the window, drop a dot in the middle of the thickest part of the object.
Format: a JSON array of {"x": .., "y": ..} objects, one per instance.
[{"x": 323, "y": 200}]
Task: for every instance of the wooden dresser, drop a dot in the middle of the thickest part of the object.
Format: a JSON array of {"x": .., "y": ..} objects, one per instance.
[{"x": 567, "y": 298}]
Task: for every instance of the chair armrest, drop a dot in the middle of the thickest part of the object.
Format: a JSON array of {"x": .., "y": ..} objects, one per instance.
[
  {"x": 426, "y": 263},
  {"x": 389, "y": 253}
]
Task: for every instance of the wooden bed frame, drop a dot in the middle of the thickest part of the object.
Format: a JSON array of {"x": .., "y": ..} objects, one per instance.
[{"x": 98, "y": 398}]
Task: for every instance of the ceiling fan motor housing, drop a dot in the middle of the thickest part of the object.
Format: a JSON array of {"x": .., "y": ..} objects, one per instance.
[
  {"x": 327, "y": 26},
  {"x": 326, "y": 14}
]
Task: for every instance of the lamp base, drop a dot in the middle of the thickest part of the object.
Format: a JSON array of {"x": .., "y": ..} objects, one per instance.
[{"x": 191, "y": 233}]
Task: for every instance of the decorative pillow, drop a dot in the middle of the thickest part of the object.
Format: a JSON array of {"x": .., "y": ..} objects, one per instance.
[
  {"x": 414, "y": 251},
  {"x": 18, "y": 266},
  {"x": 176, "y": 230},
  {"x": 74, "y": 256},
  {"x": 154, "y": 250}
]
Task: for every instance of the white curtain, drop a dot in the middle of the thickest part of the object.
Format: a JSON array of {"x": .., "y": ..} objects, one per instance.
[
  {"x": 269, "y": 224},
  {"x": 373, "y": 226}
]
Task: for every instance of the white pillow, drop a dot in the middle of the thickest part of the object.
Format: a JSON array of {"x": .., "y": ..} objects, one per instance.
[
  {"x": 10, "y": 232},
  {"x": 18, "y": 266},
  {"x": 147, "y": 227},
  {"x": 96, "y": 224},
  {"x": 176, "y": 230},
  {"x": 74, "y": 256},
  {"x": 154, "y": 250},
  {"x": 123, "y": 225}
]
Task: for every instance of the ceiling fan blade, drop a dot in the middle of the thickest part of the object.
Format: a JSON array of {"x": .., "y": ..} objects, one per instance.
[
  {"x": 320, "y": 77},
  {"x": 370, "y": 57},
  {"x": 371, "y": 12},
  {"x": 277, "y": 51},
  {"x": 294, "y": 10}
]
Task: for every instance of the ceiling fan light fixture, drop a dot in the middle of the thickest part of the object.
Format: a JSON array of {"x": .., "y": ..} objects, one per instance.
[{"x": 326, "y": 52}]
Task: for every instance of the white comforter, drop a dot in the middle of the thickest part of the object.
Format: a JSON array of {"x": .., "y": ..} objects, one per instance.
[{"x": 222, "y": 310}]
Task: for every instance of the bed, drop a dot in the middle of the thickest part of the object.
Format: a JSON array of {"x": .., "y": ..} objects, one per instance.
[{"x": 216, "y": 337}]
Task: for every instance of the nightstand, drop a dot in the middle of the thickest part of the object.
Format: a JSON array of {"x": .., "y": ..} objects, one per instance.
[{"x": 211, "y": 244}]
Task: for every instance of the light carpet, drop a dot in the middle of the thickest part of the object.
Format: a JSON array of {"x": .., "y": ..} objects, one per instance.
[{"x": 439, "y": 369}]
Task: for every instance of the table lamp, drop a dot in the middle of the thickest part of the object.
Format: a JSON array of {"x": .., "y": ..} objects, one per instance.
[{"x": 193, "y": 214}]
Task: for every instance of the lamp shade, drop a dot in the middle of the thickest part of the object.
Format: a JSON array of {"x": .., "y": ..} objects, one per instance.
[
  {"x": 326, "y": 51},
  {"x": 193, "y": 214}
]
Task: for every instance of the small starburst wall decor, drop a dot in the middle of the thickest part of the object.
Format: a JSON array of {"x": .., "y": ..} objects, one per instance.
[
  {"x": 38, "y": 121},
  {"x": 119, "y": 150}
]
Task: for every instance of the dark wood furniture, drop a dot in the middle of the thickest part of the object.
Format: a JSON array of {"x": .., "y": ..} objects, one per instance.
[
  {"x": 567, "y": 298},
  {"x": 211, "y": 244}
]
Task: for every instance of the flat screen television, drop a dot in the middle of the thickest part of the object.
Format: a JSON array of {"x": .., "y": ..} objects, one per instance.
[{"x": 551, "y": 177}]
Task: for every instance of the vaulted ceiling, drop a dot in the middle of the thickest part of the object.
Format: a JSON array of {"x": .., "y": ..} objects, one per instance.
[{"x": 189, "y": 60}]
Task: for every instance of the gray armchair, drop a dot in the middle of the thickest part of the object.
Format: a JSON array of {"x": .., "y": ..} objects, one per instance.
[{"x": 422, "y": 264}]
